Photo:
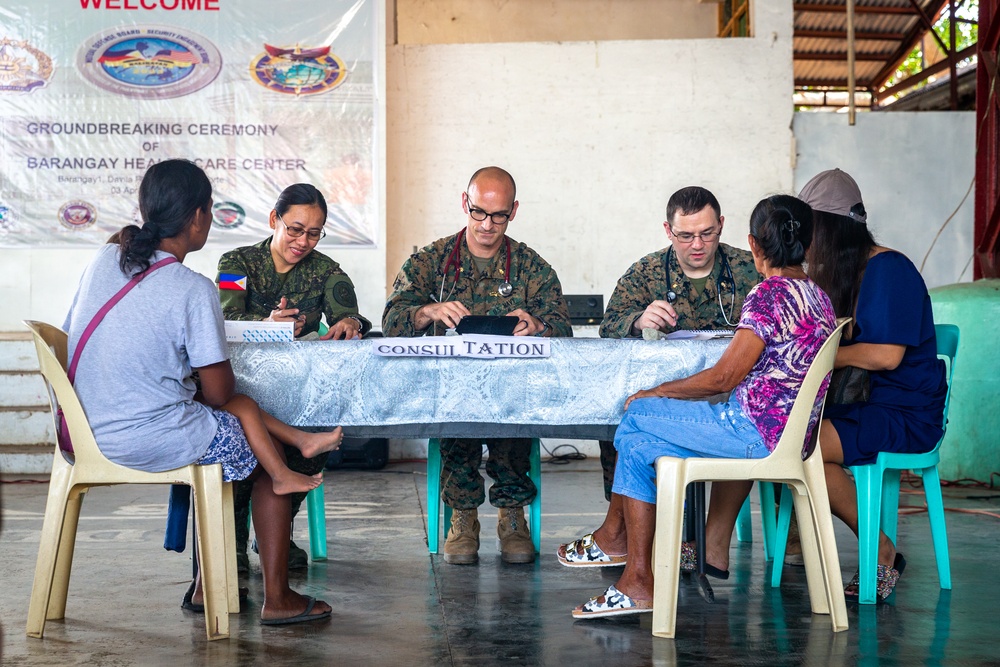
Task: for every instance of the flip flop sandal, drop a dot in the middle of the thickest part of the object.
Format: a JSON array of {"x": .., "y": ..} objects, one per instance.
[
  {"x": 615, "y": 603},
  {"x": 304, "y": 617},
  {"x": 592, "y": 556},
  {"x": 689, "y": 562},
  {"x": 886, "y": 579}
]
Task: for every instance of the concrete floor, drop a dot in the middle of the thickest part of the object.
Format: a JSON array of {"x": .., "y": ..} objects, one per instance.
[{"x": 395, "y": 604}]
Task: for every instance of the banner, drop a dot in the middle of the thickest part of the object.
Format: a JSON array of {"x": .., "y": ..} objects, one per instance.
[{"x": 260, "y": 93}]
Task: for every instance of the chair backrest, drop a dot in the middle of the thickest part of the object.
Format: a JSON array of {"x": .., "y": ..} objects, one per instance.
[
  {"x": 793, "y": 437},
  {"x": 947, "y": 346},
  {"x": 50, "y": 346}
]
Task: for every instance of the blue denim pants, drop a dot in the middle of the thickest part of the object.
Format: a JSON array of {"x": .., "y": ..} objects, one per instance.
[{"x": 654, "y": 427}]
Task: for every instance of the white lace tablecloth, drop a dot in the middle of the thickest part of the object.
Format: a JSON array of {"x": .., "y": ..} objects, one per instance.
[{"x": 578, "y": 392}]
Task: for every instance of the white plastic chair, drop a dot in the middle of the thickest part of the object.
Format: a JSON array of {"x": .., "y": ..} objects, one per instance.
[
  {"x": 786, "y": 465},
  {"x": 73, "y": 474}
]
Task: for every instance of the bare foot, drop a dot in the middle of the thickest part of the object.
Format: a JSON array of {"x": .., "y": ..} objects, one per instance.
[
  {"x": 291, "y": 604},
  {"x": 314, "y": 444},
  {"x": 293, "y": 482}
]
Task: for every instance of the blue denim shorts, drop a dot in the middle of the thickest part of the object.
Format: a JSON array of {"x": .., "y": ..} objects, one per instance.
[
  {"x": 655, "y": 427},
  {"x": 230, "y": 448}
]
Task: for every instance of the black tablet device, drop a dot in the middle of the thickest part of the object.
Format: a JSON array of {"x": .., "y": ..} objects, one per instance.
[{"x": 493, "y": 325}]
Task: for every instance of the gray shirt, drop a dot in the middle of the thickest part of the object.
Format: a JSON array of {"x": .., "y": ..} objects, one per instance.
[{"x": 134, "y": 376}]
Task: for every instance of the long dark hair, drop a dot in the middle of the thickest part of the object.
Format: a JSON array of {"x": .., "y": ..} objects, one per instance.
[
  {"x": 783, "y": 228},
  {"x": 300, "y": 194},
  {"x": 170, "y": 194},
  {"x": 840, "y": 250}
]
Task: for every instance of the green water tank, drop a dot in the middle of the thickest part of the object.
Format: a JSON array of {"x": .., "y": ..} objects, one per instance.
[{"x": 971, "y": 447}]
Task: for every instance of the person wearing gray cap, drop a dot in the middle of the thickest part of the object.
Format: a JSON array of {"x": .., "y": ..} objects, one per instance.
[{"x": 892, "y": 337}]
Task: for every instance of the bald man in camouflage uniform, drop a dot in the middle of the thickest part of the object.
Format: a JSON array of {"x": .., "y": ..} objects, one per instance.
[
  {"x": 430, "y": 296},
  {"x": 314, "y": 288},
  {"x": 704, "y": 296}
]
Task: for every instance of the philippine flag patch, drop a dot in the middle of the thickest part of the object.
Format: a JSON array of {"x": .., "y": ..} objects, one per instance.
[{"x": 234, "y": 281}]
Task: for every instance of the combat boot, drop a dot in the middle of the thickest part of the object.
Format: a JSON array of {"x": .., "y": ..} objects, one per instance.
[
  {"x": 515, "y": 541},
  {"x": 462, "y": 545}
]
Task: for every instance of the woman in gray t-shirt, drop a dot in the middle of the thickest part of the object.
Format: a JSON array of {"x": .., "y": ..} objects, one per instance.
[{"x": 135, "y": 375}]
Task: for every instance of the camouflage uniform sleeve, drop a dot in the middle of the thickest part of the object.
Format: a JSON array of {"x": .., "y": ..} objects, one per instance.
[
  {"x": 411, "y": 290},
  {"x": 233, "y": 301},
  {"x": 340, "y": 300},
  {"x": 628, "y": 301},
  {"x": 744, "y": 273},
  {"x": 546, "y": 298}
]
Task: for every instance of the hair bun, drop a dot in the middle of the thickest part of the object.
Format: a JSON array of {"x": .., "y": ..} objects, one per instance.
[{"x": 790, "y": 230}]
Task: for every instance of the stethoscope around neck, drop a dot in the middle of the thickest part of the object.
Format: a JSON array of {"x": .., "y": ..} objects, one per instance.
[
  {"x": 727, "y": 271},
  {"x": 455, "y": 259}
]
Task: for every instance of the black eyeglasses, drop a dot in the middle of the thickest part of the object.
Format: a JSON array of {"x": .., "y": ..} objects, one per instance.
[
  {"x": 297, "y": 232},
  {"x": 686, "y": 237},
  {"x": 479, "y": 215}
]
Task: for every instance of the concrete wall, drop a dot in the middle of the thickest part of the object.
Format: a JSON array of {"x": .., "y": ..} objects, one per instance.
[
  {"x": 597, "y": 135},
  {"x": 913, "y": 168}
]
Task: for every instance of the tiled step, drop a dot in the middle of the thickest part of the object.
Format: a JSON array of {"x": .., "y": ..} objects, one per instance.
[
  {"x": 25, "y": 426},
  {"x": 24, "y": 389},
  {"x": 17, "y": 352}
]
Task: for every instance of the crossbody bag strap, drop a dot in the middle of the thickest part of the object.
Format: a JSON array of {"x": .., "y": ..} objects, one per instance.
[{"x": 71, "y": 373}]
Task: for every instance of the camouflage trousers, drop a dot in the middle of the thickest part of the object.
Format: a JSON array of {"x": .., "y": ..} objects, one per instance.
[
  {"x": 609, "y": 455},
  {"x": 242, "y": 490},
  {"x": 462, "y": 485}
]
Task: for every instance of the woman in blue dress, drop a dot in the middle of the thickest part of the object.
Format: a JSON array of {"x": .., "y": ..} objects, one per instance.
[{"x": 892, "y": 337}]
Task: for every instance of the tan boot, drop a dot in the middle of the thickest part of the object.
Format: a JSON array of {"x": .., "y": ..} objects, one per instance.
[
  {"x": 462, "y": 545},
  {"x": 515, "y": 541}
]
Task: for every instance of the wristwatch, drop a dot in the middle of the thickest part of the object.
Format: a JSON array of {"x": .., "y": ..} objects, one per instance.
[{"x": 545, "y": 327}]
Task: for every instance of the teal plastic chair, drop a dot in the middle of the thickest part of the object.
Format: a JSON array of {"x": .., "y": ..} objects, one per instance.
[
  {"x": 878, "y": 495},
  {"x": 316, "y": 510},
  {"x": 744, "y": 525},
  {"x": 434, "y": 496}
]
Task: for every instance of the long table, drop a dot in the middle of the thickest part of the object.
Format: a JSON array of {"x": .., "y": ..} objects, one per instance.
[{"x": 578, "y": 392}]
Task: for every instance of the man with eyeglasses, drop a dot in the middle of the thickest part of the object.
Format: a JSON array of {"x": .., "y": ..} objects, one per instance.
[
  {"x": 697, "y": 282},
  {"x": 481, "y": 271}
]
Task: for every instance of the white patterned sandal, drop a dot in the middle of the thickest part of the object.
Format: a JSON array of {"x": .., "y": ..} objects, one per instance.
[
  {"x": 615, "y": 603},
  {"x": 584, "y": 552}
]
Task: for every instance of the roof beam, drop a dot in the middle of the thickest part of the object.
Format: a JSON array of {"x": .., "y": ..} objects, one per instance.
[
  {"x": 860, "y": 9},
  {"x": 840, "y": 84},
  {"x": 842, "y": 34},
  {"x": 907, "y": 45},
  {"x": 820, "y": 55},
  {"x": 925, "y": 73}
]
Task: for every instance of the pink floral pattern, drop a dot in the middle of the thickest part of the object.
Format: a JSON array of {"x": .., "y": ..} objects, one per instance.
[{"x": 793, "y": 317}]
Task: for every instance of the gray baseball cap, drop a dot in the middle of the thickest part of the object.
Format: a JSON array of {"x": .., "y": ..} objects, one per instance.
[{"x": 834, "y": 191}]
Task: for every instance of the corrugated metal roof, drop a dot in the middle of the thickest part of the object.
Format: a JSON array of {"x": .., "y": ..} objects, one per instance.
[{"x": 885, "y": 31}]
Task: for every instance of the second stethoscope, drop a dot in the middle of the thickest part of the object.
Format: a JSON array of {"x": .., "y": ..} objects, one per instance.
[
  {"x": 455, "y": 259},
  {"x": 727, "y": 271}
]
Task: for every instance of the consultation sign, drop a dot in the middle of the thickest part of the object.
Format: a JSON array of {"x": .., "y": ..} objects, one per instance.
[{"x": 476, "y": 346}]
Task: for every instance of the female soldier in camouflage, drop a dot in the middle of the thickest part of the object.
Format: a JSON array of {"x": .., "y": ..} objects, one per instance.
[{"x": 283, "y": 278}]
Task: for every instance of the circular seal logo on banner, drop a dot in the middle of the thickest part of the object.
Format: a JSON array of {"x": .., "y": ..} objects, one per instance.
[
  {"x": 77, "y": 215},
  {"x": 228, "y": 214},
  {"x": 23, "y": 68},
  {"x": 298, "y": 71},
  {"x": 149, "y": 62},
  {"x": 6, "y": 218}
]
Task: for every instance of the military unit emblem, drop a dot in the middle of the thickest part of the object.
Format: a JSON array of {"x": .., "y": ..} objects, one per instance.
[
  {"x": 228, "y": 214},
  {"x": 298, "y": 71},
  {"x": 149, "y": 62},
  {"x": 6, "y": 219},
  {"x": 23, "y": 68},
  {"x": 77, "y": 215}
]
